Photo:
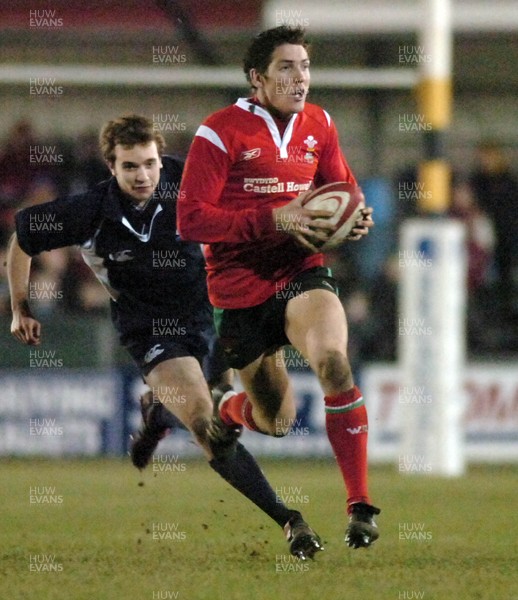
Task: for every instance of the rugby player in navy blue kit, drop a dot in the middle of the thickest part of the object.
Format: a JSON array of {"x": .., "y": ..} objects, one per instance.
[{"x": 126, "y": 228}]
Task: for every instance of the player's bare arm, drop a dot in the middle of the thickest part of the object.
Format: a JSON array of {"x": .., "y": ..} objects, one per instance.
[{"x": 24, "y": 326}]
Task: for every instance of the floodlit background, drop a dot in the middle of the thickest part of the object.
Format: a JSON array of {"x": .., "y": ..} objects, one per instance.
[{"x": 67, "y": 67}]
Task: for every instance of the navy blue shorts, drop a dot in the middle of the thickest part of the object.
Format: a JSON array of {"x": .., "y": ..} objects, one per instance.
[
  {"x": 160, "y": 339},
  {"x": 149, "y": 351}
]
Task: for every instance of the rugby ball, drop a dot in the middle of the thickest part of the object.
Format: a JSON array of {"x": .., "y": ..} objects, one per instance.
[{"x": 344, "y": 200}]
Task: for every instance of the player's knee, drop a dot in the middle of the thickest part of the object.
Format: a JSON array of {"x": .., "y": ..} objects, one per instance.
[{"x": 334, "y": 370}]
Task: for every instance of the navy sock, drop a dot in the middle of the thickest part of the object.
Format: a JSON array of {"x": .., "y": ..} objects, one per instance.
[{"x": 243, "y": 473}]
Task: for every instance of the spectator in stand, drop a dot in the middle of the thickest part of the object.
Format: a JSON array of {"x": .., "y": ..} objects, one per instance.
[
  {"x": 381, "y": 342},
  {"x": 88, "y": 166},
  {"x": 479, "y": 234},
  {"x": 481, "y": 335},
  {"x": 496, "y": 191},
  {"x": 17, "y": 173}
]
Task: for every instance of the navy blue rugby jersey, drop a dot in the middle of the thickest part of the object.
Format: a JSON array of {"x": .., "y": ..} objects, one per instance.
[{"x": 136, "y": 254}]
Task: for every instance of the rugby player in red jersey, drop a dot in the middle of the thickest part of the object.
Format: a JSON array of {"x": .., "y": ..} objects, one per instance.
[{"x": 246, "y": 173}]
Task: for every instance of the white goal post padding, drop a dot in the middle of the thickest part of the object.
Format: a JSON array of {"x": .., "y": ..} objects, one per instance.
[{"x": 431, "y": 336}]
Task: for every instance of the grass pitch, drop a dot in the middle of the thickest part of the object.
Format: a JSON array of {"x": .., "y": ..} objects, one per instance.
[{"x": 100, "y": 530}]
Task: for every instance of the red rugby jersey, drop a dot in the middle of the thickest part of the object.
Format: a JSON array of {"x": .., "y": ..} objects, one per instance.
[{"x": 238, "y": 169}]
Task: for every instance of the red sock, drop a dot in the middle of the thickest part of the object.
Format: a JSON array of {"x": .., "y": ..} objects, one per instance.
[
  {"x": 238, "y": 409},
  {"x": 347, "y": 426}
]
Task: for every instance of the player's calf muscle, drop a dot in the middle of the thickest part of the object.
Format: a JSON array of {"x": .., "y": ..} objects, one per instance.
[
  {"x": 334, "y": 372},
  {"x": 269, "y": 389},
  {"x": 274, "y": 411},
  {"x": 278, "y": 423}
]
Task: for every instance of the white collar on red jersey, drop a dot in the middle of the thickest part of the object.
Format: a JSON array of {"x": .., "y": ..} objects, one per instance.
[{"x": 280, "y": 142}]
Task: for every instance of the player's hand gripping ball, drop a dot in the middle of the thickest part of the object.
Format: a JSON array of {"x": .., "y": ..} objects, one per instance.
[{"x": 345, "y": 201}]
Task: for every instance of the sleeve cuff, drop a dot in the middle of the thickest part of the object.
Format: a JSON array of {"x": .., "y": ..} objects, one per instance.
[
  {"x": 22, "y": 237},
  {"x": 265, "y": 224}
]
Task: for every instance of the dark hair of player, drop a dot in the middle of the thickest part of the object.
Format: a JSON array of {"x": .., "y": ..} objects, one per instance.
[
  {"x": 127, "y": 131},
  {"x": 260, "y": 51}
]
